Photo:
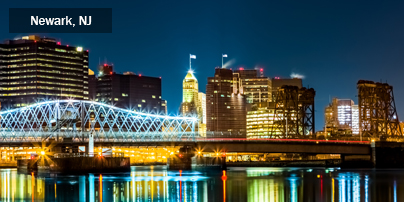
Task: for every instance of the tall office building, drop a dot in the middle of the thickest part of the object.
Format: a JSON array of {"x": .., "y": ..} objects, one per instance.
[
  {"x": 35, "y": 69},
  {"x": 189, "y": 94},
  {"x": 128, "y": 90},
  {"x": 225, "y": 104},
  {"x": 92, "y": 85},
  {"x": 194, "y": 102},
  {"x": 341, "y": 117},
  {"x": 256, "y": 88}
]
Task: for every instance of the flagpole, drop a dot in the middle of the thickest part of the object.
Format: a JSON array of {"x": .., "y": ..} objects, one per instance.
[{"x": 222, "y": 60}]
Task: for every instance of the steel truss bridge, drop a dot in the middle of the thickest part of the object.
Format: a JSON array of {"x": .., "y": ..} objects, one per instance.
[{"x": 77, "y": 119}]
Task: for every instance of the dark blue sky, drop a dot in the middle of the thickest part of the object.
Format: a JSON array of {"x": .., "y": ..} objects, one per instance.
[{"x": 332, "y": 43}]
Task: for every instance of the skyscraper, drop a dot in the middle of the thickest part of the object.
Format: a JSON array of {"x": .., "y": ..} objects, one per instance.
[
  {"x": 255, "y": 88},
  {"x": 225, "y": 104},
  {"x": 189, "y": 94},
  {"x": 128, "y": 90},
  {"x": 341, "y": 118},
  {"x": 194, "y": 102},
  {"x": 36, "y": 69}
]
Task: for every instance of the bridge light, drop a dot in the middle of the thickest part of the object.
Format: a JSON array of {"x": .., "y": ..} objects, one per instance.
[{"x": 42, "y": 153}]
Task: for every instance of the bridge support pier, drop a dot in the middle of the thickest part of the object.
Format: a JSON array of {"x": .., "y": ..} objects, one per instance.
[
  {"x": 387, "y": 154},
  {"x": 182, "y": 160}
]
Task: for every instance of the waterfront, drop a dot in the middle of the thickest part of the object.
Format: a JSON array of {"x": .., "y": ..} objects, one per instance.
[{"x": 236, "y": 184}]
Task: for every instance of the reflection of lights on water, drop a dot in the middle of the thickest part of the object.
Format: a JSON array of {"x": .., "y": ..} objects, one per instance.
[
  {"x": 293, "y": 189},
  {"x": 366, "y": 188},
  {"x": 356, "y": 189},
  {"x": 395, "y": 191}
]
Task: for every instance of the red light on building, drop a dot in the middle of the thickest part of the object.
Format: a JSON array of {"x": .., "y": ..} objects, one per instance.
[
  {"x": 35, "y": 41},
  {"x": 105, "y": 65},
  {"x": 241, "y": 68},
  {"x": 67, "y": 45},
  {"x": 110, "y": 73},
  {"x": 261, "y": 69},
  {"x": 160, "y": 77},
  {"x": 87, "y": 51},
  {"x": 140, "y": 75},
  {"x": 180, "y": 155},
  {"x": 58, "y": 43}
]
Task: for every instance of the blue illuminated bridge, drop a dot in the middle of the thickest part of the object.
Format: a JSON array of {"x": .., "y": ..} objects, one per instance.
[{"x": 76, "y": 120}]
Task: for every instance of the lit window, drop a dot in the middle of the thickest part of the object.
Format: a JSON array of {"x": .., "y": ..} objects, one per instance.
[
  {"x": 116, "y": 99},
  {"x": 139, "y": 105},
  {"x": 228, "y": 107},
  {"x": 153, "y": 96},
  {"x": 143, "y": 100}
]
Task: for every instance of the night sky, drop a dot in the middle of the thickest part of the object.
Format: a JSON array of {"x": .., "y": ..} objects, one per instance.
[{"x": 333, "y": 44}]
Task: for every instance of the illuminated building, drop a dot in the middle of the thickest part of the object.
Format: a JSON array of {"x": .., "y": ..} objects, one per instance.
[
  {"x": 92, "y": 85},
  {"x": 202, "y": 113},
  {"x": 225, "y": 104},
  {"x": 194, "y": 102},
  {"x": 341, "y": 118},
  {"x": 130, "y": 91},
  {"x": 35, "y": 69},
  {"x": 260, "y": 121},
  {"x": 255, "y": 88},
  {"x": 189, "y": 94},
  {"x": 291, "y": 116}
]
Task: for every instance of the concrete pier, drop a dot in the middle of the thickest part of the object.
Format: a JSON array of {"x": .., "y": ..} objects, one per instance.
[{"x": 76, "y": 164}]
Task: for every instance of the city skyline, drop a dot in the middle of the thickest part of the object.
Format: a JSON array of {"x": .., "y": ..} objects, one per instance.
[{"x": 332, "y": 50}]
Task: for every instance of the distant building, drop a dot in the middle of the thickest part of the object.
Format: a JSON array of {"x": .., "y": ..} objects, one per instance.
[
  {"x": 92, "y": 85},
  {"x": 189, "y": 94},
  {"x": 342, "y": 118},
  {"x": 130, "y": 91},
  {"x": 202, "y": 113},
  {"x": 225, "y": 104},
  {"x": 291, "y": 116},
  {"x": 260, "y": 121},
  {"x": 256, "y": 88},
  {"x": 279, "y": 82},
  {"x": 35, "y": 69},
  {"x": 194, "y": 102}
]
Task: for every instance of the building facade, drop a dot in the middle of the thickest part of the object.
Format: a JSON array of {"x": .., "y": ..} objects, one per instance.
[
  {"x": 35, "y": 69},
  {"x": 194, "y": 102},
  {"x": 225, "y": 105},
  {"x": 190, "y": 104},
  {"x": 129, "y": 91},
  {"x": 342, "y": 118},
  {"x": 256, "y": 88}
]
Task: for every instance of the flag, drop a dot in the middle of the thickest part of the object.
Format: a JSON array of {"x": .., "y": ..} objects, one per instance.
[
  {"x": 192, "y": 56},
  {"x": 224, "y": 55}
]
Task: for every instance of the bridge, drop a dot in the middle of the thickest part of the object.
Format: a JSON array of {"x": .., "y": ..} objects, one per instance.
[
  {"x": 77, "y": 119},
  {"x": 75, "y": 122}
]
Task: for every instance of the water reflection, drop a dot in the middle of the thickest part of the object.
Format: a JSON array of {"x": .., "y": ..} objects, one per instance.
[{"x": 251, "y": 184}]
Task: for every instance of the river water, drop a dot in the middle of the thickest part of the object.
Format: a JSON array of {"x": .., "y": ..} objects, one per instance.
[{"x": 235, "y": 184}]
